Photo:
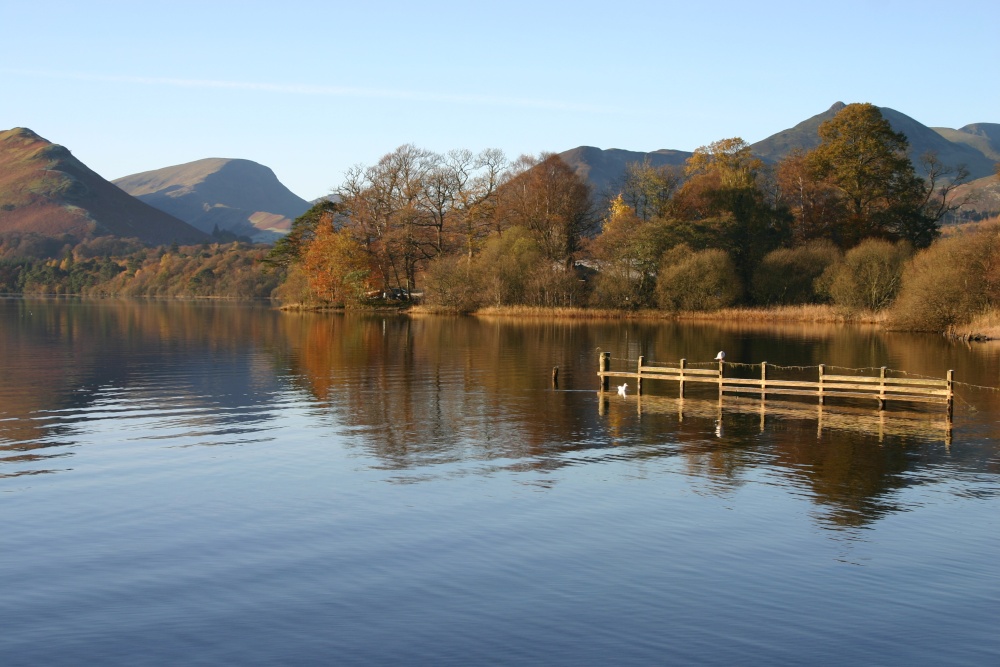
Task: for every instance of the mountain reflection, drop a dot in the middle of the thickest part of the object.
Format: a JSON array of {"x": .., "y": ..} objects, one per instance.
[{"x": 420, "y": 395}]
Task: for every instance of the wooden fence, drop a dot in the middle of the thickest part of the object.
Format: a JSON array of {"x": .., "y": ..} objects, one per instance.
[{"x": 880, "y": 388}]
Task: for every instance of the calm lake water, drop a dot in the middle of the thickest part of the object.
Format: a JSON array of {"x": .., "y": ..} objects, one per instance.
[{"x": 204, "y": 484}]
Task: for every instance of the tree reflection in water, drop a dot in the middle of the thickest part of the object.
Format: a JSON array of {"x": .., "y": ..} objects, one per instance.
[{"x": 428, "y": 396}]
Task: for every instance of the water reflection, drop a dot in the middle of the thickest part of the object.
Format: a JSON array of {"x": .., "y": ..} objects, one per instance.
[{"x": 431, "y": 396}]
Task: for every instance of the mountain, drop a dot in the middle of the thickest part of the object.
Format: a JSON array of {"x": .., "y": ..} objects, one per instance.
[
  {"x": 804, "y": 136},
  {"x": 604, "y": 169},
  {"x": 983, "y": 137},
  {"x": 236, "y": 195},
  {"x": 923, "y": 139},
  {"x": 44, "y": 189},
  {"x": 984, "y": 199},
  {"x": 977, "y": 146}
]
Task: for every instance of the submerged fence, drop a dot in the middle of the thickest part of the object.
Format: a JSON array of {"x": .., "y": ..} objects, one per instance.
[{"x": 881, "y": 388}]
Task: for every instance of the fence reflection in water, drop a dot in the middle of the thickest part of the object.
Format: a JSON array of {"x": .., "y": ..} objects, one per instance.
[{"x": 840, "y": 418}]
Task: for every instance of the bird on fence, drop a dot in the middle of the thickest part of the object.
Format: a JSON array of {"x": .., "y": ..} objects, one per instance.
[
  {"x": 720, "y": 356},
  {"x": 622, "y": 389}
]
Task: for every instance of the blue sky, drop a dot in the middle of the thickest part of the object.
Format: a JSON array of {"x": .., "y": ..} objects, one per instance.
[{"x": 312, "y": 88}]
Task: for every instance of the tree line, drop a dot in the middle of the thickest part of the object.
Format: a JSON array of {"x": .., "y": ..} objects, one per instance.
[
  {"x": 113, "y": 266},
  {"x": 835, "y": 224}
]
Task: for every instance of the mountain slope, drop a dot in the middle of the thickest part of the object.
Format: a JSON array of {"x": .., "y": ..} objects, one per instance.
[
  {"x": 604, "y": 169},
  {"x": 924, "y": 139},
  {"x": 976, "y": 146},
  {"x": 983, "y": 137},
  {"x": 804, "y": 136},
  {"x": 44, "y": 189},
  {"x": 235, "y": 195}
]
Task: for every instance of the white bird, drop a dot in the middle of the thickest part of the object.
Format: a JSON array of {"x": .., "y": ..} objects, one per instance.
[
  {"x": 720, "y": 356},
  {"x": 622, "y": 389}
]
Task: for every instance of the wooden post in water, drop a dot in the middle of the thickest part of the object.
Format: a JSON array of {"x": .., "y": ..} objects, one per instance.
[
  {"x": 949, "y": 410},
  {"x": 638, "y": 380},
  {"x": 604, "y": 364},
  {"x": 822, "y": 369},
  {"x": 763, "y": 380},
  {"x": 951, "y": 399},
  {"x": 683, "y": 366},
  {"x": 555, "y": 377},
  {"x": 720, "y": 381},
  {"x": 881, "y": 391}
]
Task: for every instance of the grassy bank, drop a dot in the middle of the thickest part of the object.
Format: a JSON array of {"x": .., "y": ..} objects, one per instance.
[
  {"x": 815, "y": 314},
  {"x": 984, "y": 327}
]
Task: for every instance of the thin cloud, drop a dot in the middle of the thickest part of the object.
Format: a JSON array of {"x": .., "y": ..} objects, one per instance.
[{"x": 327, "y": 91}]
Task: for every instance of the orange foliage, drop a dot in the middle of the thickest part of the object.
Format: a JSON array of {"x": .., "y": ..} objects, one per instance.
[{"x": 338, "y": 267}]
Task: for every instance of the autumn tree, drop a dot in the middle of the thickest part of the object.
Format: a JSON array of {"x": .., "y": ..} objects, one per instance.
[
  {"x": 728, "y": 194},
  {"x": 337, "y": 268},
  {"x": 545, "y": 196},
  {"x": 815, "y": 205},
  {"x": 289, "y": 248},
  {"x": 866, "y": 162},
  {"x": 628, "y": 252},
  {"x": 476, "y": 197},
  {"x": 457, "y": 195},
  {"x": 649, "y": 190},
  {"x": 382, "y": 204},
  {"x": 414, "y": 205}
]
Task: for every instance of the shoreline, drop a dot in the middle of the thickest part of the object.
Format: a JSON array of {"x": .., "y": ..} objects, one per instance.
[
  {"x": 984, "y": 328},
  {"x": 811, "y": 314}
]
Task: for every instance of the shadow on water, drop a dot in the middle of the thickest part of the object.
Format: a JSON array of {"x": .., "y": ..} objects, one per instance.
[{"x": 426, "y": 397}]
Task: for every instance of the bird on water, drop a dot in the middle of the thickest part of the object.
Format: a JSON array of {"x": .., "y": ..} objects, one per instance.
[
  {"x": 720, "y": 356},
  {"x": 622, "y": 389}
]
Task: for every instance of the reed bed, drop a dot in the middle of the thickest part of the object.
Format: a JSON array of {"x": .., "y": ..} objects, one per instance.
[
  {"x": 810, "y": 313},
  {"x": 814, "y": 313},
  {"x": 982, "y": 327}
]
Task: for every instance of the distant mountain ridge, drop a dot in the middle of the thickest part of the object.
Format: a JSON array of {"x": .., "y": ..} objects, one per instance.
[
  {"x": 977, "y": 146},
  {"x": 45, "y": 190},
  {"x": 604, "y": 169},
  {"x": 983, "y": 137},
  {"x": 240, "y": 196}
]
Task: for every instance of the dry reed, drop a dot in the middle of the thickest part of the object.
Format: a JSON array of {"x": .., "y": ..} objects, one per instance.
[
  {"x": 809, "y": 313},
  {"x": 982, "y": 327}
]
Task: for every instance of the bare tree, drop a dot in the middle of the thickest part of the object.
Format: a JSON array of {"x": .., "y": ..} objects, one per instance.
[{"x": 942, "y": 182}]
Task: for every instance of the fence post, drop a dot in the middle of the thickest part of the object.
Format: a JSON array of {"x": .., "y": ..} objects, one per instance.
[
  {"x": 720, "y": 380},
  {"x": 604, "y": 362},
  {"x": 683, "y": 365},
  {"x": 951, "y": 398},
  {"x": 881, "y": 389},
  {"x": 763, "y": 379},
  {"x": 822, "y": 369},
  {"x": 638, "y": 380}
]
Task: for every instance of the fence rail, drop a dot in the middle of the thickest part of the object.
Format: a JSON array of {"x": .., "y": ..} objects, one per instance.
[{"x": 881, "y": 387}]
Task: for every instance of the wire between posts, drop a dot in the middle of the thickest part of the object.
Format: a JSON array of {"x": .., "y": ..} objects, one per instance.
[
  {"x": 738, "y": 364},
  {"x": 975, "y": 386}
]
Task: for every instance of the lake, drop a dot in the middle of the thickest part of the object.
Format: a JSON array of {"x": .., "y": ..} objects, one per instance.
[{"x": 216, "y": 483}]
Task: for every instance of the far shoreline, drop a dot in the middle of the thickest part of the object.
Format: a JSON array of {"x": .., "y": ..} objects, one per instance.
[{"x": 984, "y": 328}]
